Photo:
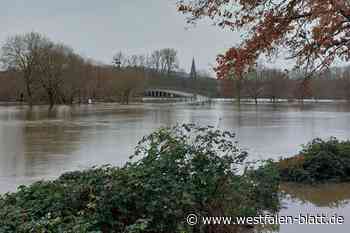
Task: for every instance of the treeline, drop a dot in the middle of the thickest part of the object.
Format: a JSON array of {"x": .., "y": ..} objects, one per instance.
[
  {"x": 161, "y": 61},
  {"x": 37, "y": 70},
  {"x": 277, "y": 84}
]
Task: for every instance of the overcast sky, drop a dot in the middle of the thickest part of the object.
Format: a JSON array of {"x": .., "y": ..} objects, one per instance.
[{"x": 98, "y": 29}]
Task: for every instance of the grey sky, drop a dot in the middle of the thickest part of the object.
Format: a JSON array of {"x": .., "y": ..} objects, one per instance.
[{"x": 99, "y": 28}]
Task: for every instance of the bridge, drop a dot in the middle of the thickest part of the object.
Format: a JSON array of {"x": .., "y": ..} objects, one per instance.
[
  {"x": 179, "y": 88},
  {"x": 168, "y": 94}
]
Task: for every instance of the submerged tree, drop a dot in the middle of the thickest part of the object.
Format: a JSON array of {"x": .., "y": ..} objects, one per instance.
[
  {"x": 46, "y": 67},
  {"x": 255, "y": 83},
  {"x": 21, "y": 53},
  {"x": 54, "y": 62},
  {"x": 315, "y": 32}
]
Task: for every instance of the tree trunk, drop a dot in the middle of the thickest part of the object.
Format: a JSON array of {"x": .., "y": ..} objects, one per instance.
[
  {"x": 51, "y": 99},
  {"x": 238, "y": 91},
  {"x": 29, "y": 92},
  {"x": 274, "y": 99}
]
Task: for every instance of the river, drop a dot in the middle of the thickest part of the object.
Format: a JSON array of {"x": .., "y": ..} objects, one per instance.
[{"x": 40, "y": 144}]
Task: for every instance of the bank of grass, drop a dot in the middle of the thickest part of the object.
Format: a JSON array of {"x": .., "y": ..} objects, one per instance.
[
  {"x": 178, "y": 171},
  {"x": 319, "y": 161}
]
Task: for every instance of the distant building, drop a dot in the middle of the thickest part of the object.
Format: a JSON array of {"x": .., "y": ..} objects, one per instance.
[
  {"x": 193, "y": 73},
  {"x": 193, "y": 76}
]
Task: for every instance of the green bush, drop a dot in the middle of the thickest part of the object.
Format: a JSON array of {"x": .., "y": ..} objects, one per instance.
[
  {"x": 174, "y": 172},
  {"x": 319, "y": 161}
]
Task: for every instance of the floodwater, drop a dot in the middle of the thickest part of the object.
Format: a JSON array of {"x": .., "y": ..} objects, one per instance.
[{"x": 40, "y": 144}]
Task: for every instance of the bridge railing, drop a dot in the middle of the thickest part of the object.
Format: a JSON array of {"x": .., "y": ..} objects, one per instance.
[{"x": 203, "y": 86}]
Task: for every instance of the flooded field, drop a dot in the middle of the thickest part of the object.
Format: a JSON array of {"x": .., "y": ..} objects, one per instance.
[{"x": 40, "y": 144}]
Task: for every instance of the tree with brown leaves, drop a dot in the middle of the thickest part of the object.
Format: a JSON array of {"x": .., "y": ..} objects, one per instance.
[{"x": 315, "y": 32}]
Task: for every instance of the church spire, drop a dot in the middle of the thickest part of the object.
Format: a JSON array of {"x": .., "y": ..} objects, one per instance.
[{"x": 193, "y": 74}]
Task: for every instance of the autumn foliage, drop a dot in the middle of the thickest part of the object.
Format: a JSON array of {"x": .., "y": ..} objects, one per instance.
[{"x": 315, "y": 32}]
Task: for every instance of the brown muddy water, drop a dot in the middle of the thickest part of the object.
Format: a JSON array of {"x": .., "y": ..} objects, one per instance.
[{"x": 40, "y": 144}]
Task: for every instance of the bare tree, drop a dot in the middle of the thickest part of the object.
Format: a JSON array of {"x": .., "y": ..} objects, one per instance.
[
  {"x": 133, "y": 61},
  {"x": 127, "y": 82},
  {"x": 21, "y": 53},
  {"x": 345, "y": 84},
  {"x": 169, "y": 60},
  {"x": 254, "y": 83},
  {"x": 11, "y": 86},
  {"x": 276, "y": 84},
  {"x": 156, "y": 58},
  {"x": 54, "y": 60},
  {"x": 237, "y": 82},
  {"x": 141, "y": 61},
  {"x": 74, "y": 80},
  {"x": 119, "y": 60}
]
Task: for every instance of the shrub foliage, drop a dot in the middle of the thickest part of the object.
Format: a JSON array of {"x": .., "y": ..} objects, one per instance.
[
  {"x": 174, "y": 172},
  {"x": 319, "y": 161}
]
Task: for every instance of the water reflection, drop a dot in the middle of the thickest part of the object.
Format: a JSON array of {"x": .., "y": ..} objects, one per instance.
[
  {"x": 41, "y": 144},
  {"x": 313, "y": 200},
  {"x": 37, "y": 143},
  {"x": 33, "y": 146},
  {"x": 321, "y": 195}
]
